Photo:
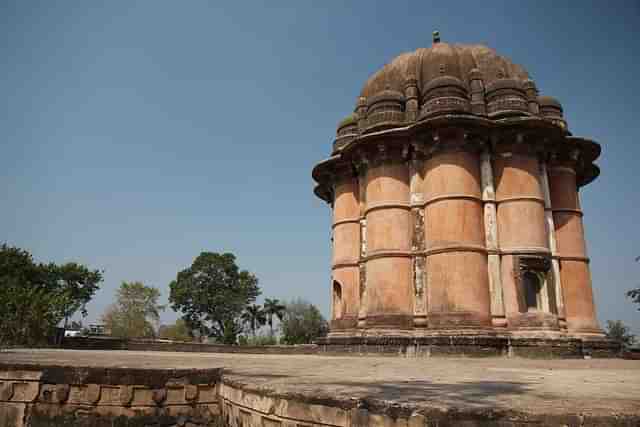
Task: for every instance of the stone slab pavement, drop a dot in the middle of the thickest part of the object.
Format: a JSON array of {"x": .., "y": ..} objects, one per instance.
[{"x": 596, "y": 387}]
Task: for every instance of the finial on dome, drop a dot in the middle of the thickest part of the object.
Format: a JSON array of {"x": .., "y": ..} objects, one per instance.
[{"x": 436, "y": 37}]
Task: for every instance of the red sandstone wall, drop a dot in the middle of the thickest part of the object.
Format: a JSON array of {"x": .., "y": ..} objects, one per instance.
[
  {"x": 456, "y": 283},
  {"x": 346, "y": 252},
  {"x": 574, "y": 266},
  {"x": 389, "y": 297},
  {"x": 457, "y": 277},
  {"x": 521, "y": 221}
]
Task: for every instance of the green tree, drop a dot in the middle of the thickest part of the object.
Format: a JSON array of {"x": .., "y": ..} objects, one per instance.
[
  {"x": 254, "y": 316},
  {"x": 27, "y": 292},
  {"x": 176, "y": 332},
  {"x": 634, "y": 294},
  {"x": 135, "y": 312},
  {"x": 273, "y": 307},
  {"x": 618, "y": 331},
  {"x": 302, "y": 323},
  {"x": 78, "y": 284},
  {"x": 212, "y": 293},
  {"x": 35, "y": 297}
]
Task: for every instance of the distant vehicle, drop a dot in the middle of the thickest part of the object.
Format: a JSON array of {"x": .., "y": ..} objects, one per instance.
[
  {"x": 97, "y": 329},
  {"x": 72, "y": 333}
]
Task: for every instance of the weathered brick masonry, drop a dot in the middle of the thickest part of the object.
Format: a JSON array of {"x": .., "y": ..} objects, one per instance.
[{"x": 57, "y": 396}]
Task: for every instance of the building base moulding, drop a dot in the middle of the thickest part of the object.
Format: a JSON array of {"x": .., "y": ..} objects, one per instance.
[
  {"x": 534, "y": 320},
  {"x": 344, "y": 323},
  {"x": 473, "y": 343}
]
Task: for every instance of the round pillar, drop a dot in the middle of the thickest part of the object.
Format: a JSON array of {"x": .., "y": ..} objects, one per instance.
[
  {"x": 574, "y": 265},
  {"x": 346, "y": 252},
  {"x": 523, "y": 240},
  {"x": 456, "y": 258},
  {"x": 389, "y": 296}
]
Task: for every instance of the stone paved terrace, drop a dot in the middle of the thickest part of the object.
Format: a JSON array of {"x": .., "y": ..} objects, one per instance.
[{"x": 598, "y": 387}]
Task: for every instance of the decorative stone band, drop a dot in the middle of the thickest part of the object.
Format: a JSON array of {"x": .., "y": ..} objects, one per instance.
[
  {"x": 506, "y": 97},
  {"x": 507, "y": 105},
  {"x": 388, "y": 253},
  {"x": 344, "y": 263},
  {"x": 420, "y": 320},
  {"x": 535, "y": 321},
  {"x": 443, "y": 105},
  {"x": 569, "y": 257},
  {"x": 570, "y": 154},
  {"x": 567, "y": 210},
  {"x": 528, "y": 250},
  {"x": 535, "y": 199},
  {"x": 458, "y": 196},
  {"x": 417, "y": 201},
  {"x": 387, "y": 205},
  {"x": 440, "y": 249},
  {"x": 346, "y": 221},
  {"x": 383, "y": 120},
  {"x": 345, "y": 322},
  {"x": 422, "y": 203},
  {"x": 533, "y": 263},
  {"x": 457, "y": 320},
  {"x": 390, "y": 320},
  {"x": 343, "y": 140}
]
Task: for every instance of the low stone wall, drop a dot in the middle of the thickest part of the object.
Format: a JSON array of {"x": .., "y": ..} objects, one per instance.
[
  {"x": 429, "y": 346},
  {"x": 244, "y": 407},
  {"x": 94, "y": 343},
  {"x": 56, "y": 396},
  {"x": 106, "y": 343},
  {"x": 220, "y": 348}
]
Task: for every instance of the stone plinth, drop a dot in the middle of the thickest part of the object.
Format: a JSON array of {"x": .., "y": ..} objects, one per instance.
[{"x": 291, "y": 391}]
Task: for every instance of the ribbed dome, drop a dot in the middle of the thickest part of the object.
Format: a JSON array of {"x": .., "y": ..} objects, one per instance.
[{"x": 443, "y": 59}]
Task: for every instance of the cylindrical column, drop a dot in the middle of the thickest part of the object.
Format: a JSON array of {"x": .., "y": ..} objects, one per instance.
[
  {"x": 574, "y": 265},
  {"x": 456, "y": 259},
  {"x": 523, "y": 239},
  {"x": 389, "y": 292},
  {"x": 362, "y": 191},
  {"x": 491, "y": 238},
  {"x": 346, "y": 252},
  {"x": 551, "y": 236},
  {"x": 417, "y": 241}
]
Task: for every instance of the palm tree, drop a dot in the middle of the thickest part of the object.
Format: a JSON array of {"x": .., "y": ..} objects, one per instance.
[
  {"x": 255, "y": 316},
  {"x": 272, "y": 307}
]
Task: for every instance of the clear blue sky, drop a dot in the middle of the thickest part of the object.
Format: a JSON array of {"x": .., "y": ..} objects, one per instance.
[{"x": 136, "y": 134}]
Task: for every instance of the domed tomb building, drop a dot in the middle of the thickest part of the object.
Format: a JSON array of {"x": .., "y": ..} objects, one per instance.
[{"x": 456, "y": 210}]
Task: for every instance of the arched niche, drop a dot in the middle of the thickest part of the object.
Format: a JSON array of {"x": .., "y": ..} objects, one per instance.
[{"x": 337, "y": 300}]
